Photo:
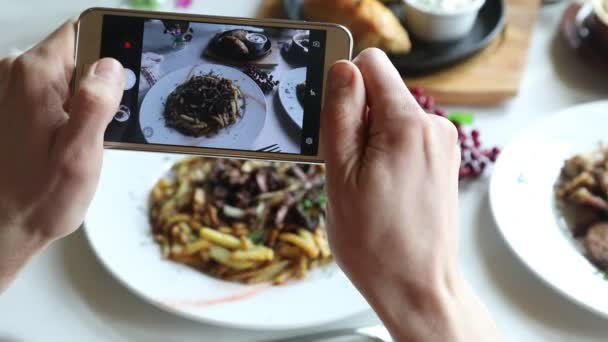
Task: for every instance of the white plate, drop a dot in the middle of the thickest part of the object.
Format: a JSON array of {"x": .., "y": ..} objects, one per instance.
[
  {"x": 288, "y": 96},
  {"x": 119, "y": 233},
  {"x": 524, "y": 205},
  {"x": 240, "y": 136}
]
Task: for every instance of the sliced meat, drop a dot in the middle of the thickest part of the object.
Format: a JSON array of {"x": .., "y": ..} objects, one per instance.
[
  {"x": 596, "y": 244},
  {"x": 583, "y": 196},
  {"x": 576, "y": 165},
  {"x": 583, "y": 218}
]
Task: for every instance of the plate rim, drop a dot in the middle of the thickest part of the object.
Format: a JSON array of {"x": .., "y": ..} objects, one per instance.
[
  {"x": 281, "y": 85},
  {"x": 503, "y": 232}
]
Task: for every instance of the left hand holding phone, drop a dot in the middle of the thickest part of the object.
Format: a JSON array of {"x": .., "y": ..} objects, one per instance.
[{"x": 51, "y": 144}]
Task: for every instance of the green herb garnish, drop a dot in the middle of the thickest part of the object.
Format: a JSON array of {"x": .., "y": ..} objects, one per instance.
[
  {"x": 462, "y": 118},
  {"x": 307, "y": 204},
  {"x": 257, "y": 236},
  {"x": 322, "y": 200}
]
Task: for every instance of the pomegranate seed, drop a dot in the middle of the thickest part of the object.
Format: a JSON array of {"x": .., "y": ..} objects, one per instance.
[
  {"x": 417, "y": 91},
  {"x": 422, "y": 101},
  {"x": 441, "y": 112},
  {"x": 430, "y": 103}
]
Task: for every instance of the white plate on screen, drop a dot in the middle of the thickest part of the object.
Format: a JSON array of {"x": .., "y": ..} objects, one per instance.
[
  {"x": 240, "y": 136},
  {"x": 524, "y": 206},
  {"x": 288, "y": 96},
  {"x": 119, "y": 233}
]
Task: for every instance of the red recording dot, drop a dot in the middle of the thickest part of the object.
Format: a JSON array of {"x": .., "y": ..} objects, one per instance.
[{"x": 127, "y": 45}]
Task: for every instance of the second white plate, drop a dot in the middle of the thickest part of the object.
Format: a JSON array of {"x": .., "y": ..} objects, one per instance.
[
  {"x": 288, "y": 95},
  {"x": 523, "y": 202}
]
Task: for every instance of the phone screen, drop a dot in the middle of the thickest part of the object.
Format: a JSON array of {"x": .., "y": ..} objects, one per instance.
[{"x": 217, "y": 86}]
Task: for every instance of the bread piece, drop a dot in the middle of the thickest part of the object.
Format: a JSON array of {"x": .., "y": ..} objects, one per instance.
[{"x": 372, "y": 23}]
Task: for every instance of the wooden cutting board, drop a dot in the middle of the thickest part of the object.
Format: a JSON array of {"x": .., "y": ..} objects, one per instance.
[{"x": 488, "y": 78}]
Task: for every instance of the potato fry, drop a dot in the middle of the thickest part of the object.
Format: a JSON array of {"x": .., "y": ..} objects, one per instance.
[
  {"x": 302, "y": 268},
  {"x": 221, "y": 239},
  {"x": 283, "y": 277},
  {"x": 289, "y": 251},
  {"x": 308, "y": 247},
  {"x": 258, "y": 253},
  {"x": 197, "y": 246},
  {"x": 174, "y": 220},
  {"x": 269, "y": 272},
  {"x": 321, "y": 241},
  {"x": 198, "y": 200},
  {"x": 222, "y": 256},
  {"x": 225, "y": 230}
]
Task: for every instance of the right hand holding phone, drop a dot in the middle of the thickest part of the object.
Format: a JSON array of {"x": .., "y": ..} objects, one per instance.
[{"x": 392, "y": 180}]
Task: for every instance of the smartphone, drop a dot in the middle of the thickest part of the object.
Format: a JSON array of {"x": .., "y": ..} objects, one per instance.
[{"x": 217, "y": 86}]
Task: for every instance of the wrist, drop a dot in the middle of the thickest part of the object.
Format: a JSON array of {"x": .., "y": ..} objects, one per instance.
[
  {"x": 418, "y": 307},
  {"x": 17, "y": 247}
]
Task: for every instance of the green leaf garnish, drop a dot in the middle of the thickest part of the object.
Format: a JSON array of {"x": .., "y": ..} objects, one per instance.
[
  {"x": 307, "y": 204},
  {"x": 322, "y": 199},
  {"x": 257, "y": 236},
  {"x": 462, "y": 118}
]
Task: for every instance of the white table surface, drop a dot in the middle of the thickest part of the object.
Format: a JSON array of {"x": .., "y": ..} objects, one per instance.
[{"x": 66, "y": 295}]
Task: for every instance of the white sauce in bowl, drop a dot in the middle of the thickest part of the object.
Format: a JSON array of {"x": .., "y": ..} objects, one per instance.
[{"x": 445, "y": 5}]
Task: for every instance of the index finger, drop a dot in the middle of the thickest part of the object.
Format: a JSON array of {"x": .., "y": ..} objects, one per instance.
[
  {"x": 386, "y": 91},
  {"x": 61, "y": 43}
]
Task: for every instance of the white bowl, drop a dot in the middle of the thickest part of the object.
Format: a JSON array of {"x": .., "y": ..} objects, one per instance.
[{"x": 440, "y": 25}]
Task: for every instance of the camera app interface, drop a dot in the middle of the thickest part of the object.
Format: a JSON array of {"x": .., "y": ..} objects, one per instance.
[{"x": 217, "y": 86}]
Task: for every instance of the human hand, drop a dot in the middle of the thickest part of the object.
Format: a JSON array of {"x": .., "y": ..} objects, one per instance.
[
  {"x": 51, "y": 144},
  {"x": 392, "y": 181}
]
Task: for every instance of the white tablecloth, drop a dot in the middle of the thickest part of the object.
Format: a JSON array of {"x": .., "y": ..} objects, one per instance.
[{"x": 66, "y": 295}]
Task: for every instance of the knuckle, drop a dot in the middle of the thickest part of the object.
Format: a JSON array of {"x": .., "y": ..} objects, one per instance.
[
  {"x": 73, "y": 165},
  {"x": 90, "y": 96},
  {"x": 29, "y": 70},
  {"x": 21, "y": 66}
]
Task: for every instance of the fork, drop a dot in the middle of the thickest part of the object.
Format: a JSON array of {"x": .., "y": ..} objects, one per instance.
[
  {"x": 271, "y": 148},
  {"x": 376, "y": 333}
]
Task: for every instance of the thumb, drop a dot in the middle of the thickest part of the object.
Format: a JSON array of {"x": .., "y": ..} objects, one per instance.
[
  {"x": 94, "y": 103},
  {"x": 343, "y": 117}
]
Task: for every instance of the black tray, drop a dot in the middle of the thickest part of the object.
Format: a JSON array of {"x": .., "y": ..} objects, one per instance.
[
  {"x": 213, "y": 46},
  {"x": 428, "y": 57}
]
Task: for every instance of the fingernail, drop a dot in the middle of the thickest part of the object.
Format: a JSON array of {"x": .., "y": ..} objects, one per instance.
[
  {"x": 340, "y": 75},
  {"x": 108, "y": 69}
]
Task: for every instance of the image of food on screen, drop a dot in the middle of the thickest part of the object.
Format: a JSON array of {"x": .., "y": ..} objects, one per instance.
[{"x": 219, "y": 86}]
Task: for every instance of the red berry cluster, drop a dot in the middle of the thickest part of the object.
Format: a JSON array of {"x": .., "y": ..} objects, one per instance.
[{"x": 475, "y": 158}]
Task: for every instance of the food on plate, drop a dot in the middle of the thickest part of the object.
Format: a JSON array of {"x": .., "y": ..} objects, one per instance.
[
  {"x": 300, "y": 92},
  {"x": 244, "y": 221},
  {"x": 203, "y": 106},
  {"x": 240, "y": 44},
  {"x": 233, "y": 46},
  {"x": 371, "y": 22},
  {"x": 582, "y": 190},
  {"x": 265, "y": 80}
]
